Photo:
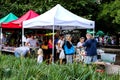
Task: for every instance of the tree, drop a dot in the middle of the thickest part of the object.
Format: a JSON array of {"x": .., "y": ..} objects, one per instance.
[
  {"x": 104, "y": 12},
  {"x": 109, "y": 16},
  {"x": 19, "y": 7}
]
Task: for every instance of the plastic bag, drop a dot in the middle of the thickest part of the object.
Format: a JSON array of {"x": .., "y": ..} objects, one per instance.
[{"x": 62, "y": 55}]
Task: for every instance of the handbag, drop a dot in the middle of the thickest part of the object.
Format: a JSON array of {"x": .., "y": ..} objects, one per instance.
[
  {"x": 62, "y": 55},
  {"x": 69, "y": 50}
]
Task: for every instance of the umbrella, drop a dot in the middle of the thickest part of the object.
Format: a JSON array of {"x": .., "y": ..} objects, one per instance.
[
  {"x": 90, "y": 32},
  {"x": 100, "y": 33}
]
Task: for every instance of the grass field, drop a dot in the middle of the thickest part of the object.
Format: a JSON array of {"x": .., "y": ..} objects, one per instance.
[{"x": 12, "y": 68}]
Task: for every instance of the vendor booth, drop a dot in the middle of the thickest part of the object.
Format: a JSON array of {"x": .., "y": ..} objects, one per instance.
[
  {"x": 18, "y": 23},
  {"x": 7, "y": 18},
  {"x": 58, "y": 18},
  {"x": 15, "y": 27}
]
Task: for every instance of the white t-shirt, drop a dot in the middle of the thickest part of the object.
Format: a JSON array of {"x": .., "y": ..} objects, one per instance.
[
  {"x": 22, "y": 50},
  {"x": 79, "y": 44},
  {"x": 61, "y": 42},
  {"x": 32, "y": 42},
  {"x": 24, "y": 39},
  {"x": 39, "y": 59}
]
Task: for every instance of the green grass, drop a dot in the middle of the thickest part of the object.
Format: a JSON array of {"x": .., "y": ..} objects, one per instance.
[{"x": 12, "y": 68}]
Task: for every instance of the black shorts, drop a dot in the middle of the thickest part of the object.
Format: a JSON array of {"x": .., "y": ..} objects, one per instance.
[{"x": 50, "y": 51}]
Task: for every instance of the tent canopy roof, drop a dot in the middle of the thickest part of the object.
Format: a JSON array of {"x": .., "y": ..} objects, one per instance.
[
  {"x": 59, "y": 17},
  {"x": 8, "y": 18},
  {"x": 30, "y": 14},
  {"x": 18, "y": 23}
]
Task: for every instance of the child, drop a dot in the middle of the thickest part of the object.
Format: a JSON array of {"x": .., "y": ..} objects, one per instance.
[
  {"x": 40, "y": 56},
  {"x": 80, "y": 50}
]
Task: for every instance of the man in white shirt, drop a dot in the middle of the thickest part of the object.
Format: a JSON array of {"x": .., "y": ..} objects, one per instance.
[{"x": 31, "y": 42}]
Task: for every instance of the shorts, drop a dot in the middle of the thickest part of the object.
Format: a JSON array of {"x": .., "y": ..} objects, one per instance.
[{"x": 90, "y": 59}]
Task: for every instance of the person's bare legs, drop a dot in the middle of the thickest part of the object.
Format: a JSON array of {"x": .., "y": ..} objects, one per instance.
[
  {"x": 61, "y": 60},
  {"x": 50, "y": 60}
]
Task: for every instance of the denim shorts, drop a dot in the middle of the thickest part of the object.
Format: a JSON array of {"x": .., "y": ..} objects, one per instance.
[{"x": 90, "y": 59}]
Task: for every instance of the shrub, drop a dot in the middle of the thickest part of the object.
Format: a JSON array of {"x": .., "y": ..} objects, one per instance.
[{"x": 12, "y": 68}]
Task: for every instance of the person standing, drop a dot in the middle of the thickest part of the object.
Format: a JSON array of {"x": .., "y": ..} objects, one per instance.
[
  {"x": 91, "y": 49},
  {"x": 40, "y": 56},
  {"x": 69, "y": 49},
  {"x": 80, "y": 43},
  {"x": 32, "y": 42},
  {"x": 50, "y": 46},
  {"x": 60, "y": 49},
  {"x": 4, "y": 39},
  {"x": 44, "y": 47},
  {"x": 80, "y": 50}
]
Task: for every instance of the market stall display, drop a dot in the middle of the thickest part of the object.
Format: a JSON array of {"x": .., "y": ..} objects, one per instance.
[
  {"x": 8, "y": 49},
  {"x": 14, "y": 26},
  {"x": 18, "y": 23},
  {"x": 7, "y": 18},
  {"x": 58, "y": 18}
]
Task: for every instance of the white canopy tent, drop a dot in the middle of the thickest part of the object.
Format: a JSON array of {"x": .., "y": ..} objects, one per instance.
[{"x": 58, "y": 18}]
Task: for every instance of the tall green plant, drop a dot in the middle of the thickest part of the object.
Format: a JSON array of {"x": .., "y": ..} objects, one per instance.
[{"x": 28, "y": 69}]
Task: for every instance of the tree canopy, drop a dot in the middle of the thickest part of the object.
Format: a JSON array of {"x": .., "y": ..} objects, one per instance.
[
  {"x": 109, "y": 16},
  {"x": 105, "y": 13}
]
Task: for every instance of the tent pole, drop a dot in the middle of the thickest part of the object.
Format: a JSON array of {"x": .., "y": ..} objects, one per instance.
[
  {"x": 22, "y": 36},
  {"x": 53, "y": 47},
  {"x": 1, "y": 36},
  {"x": 0, "y": 40}
]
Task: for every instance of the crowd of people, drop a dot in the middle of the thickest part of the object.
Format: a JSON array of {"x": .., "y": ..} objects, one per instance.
[
  {"x": 107, "y": 40},
  {"x": 64, "y": 50}
]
